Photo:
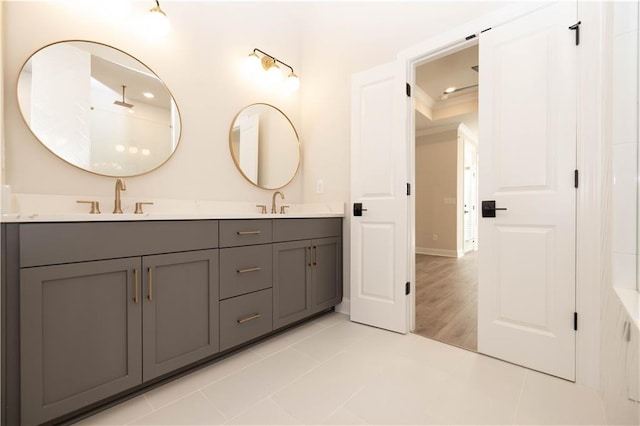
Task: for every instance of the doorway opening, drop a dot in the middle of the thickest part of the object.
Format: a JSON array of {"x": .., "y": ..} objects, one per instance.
[{"x": 446, "y": 198}]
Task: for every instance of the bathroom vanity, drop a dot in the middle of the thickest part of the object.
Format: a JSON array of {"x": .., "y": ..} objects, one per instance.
[{"x": 98, "y": 310}]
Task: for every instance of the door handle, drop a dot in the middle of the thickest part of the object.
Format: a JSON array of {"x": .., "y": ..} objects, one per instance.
[
  {"x": 357, "y": 209},
  {"x": 150, "y": 295},
  {"x": 489, "y": 208}
]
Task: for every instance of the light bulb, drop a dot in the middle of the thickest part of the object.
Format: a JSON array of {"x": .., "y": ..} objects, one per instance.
[
  {"x": 274, "y": 75},
  {"x": 449, "y": 90},
  {"x": 157, "y": 22},
  {"x": 253, "y": 62},
  {"x": 292, "y": 83}
]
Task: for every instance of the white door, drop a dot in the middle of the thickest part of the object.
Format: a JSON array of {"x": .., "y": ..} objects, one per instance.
[
  {"x": 526, "y": 294},
  {"x": 379, "y": 238}
]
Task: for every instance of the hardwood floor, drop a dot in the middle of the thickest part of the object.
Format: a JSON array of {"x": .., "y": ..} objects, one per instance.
[{"x": 447, "y": 299}]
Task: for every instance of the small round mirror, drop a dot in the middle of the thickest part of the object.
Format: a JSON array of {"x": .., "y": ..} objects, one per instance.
[
  {"x": 264, "y": 146},
  {"x": 98, "y": 108}
]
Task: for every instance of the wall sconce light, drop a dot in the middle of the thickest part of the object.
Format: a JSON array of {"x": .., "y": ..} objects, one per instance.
[
  {"x": 157, "y": 21},
  {"x": 269, "y": 64}
]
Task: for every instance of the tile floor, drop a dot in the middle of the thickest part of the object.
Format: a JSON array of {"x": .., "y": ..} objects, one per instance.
[{"x": 332, "y": 371}]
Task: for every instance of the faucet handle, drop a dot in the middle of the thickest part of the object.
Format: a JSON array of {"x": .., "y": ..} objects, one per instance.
[
  {"x": 263, "y": 208},
  {"x": 139, "y": 205},
  {"x": 95, "y": 205},
  {"x": 283, "y": 209}
]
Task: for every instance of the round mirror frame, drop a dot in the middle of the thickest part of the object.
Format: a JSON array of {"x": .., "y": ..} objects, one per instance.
[
  {"x": 235, "y": 160},
  {"x": 179, "y": 115}
]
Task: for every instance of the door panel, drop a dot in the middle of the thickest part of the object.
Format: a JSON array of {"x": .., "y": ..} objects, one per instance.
[
  {"x": 326, "y": 273},
  {"x": 526, "y": 297},
  {"x": 180, "y": 308},
  {"x": 291, "y": 282},
  {"x": 379, "y": 238},
  {"x": 80, "y": 336}
]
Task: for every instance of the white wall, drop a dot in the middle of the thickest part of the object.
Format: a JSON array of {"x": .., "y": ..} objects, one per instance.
[
  {"x": 200, "y": 61},
  {"x": 620, "y": 374}
]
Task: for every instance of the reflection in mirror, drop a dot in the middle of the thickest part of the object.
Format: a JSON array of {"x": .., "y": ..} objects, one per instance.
[
  {"x": 98, "y": 108},
  {"x": 265, "y": 146}
]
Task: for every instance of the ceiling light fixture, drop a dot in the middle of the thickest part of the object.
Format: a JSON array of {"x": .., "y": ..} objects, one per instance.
[
  {"x": 148, "y": 95},
  {"x": 450, "y": 90},
  {"x": 157, "y": 20},
  {"x": 270, "y": 65}
]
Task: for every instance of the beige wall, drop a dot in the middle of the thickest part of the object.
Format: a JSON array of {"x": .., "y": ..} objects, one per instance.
[
  {"x": 436, "y": 192},
  {"x": 200, "y": 61}
]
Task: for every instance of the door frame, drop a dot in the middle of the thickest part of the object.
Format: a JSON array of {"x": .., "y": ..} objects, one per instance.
[{"x": 593, "y": 161}]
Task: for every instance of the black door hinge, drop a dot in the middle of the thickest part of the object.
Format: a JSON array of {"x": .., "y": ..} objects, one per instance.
[
  {"x": 576, "y": 178},
  {"x": 469, "y": 37},
  {"x": 408, "y": 90},
  {"x": 575, "y": 321},
  {"x": 485, "y": 30},
  {"x": 407, "y": 288},
  {"x": 408, "y": 189},
  {"x": 576, "y": 27}
]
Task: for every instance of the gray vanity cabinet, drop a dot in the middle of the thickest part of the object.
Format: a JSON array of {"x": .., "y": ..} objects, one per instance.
[
  {"x": 180, "y": 310},
  {"x": 326, "y": 273},
  {"x": 291, "y": 282},
  {"x": 307, "y": 273},
  {"x": 80, "y": 335}
]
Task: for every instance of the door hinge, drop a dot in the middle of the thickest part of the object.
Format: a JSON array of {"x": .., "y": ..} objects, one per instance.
[
  {"x": 408, "y": 90},
  {"x": 576, "y": 178},
  {"x": 407, "y": 288},
  {"x": 575, "y": 321},
  {"x": 469, "y": 37},
  {"x": 408, "y": 189},
  {"x": 485, "y": 30},
  {"x": 576, "y": 27}
]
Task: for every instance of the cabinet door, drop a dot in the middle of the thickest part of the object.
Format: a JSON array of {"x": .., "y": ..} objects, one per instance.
[
  {"x": 326, "y": 273},
  {"x": 180, "y": 310},
  {"x": 291, "y": 282},
  {"x": 79, "y": 335}
]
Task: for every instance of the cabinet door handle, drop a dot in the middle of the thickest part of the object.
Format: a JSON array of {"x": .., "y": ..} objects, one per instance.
[
  {"x": 309, "y": 255},
  {"x": 136, "y": 287},
  {"x": 150, "y": 295},
  {"x": 250, "y": 318},
  {"x": 315, "y": 255},
  {"x": 244, "y": 271},
  {"x": 249, "y": 232}
]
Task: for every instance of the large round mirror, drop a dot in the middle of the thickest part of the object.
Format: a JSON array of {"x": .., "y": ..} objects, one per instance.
[
  {"x": 98, "y": 108},
  {"x": 264, "y": 146}
]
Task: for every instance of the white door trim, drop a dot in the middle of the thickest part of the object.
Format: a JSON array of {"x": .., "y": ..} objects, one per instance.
[{"x": 593, "y": 157}]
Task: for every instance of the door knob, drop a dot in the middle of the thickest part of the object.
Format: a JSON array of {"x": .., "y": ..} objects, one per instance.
[
  {"x": 489, "y": 208},
  {"x": 357, "y": 209}
]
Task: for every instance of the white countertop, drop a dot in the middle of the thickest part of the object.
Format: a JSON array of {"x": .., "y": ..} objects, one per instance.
[
  {"x": 86, "y": 217},
  {"x": 64, "y": 208}
]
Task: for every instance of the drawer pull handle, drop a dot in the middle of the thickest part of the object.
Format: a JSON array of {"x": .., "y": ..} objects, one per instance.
[
  {"x": 315, "y": 255},
  {"x": 150, "y": 284},
  {"x": 244, "y": 271},
  {"x": 310, "y": 255},
  {"x": 136, "y": 285},
  {"x": 250, "y": 318},
  {"x": 249, "y": 232}
]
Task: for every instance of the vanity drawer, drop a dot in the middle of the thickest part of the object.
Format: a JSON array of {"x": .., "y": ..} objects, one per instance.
[
  {"x": 306, "y": 229},
  {"x": 244, "y": 318},
  {"x": 54, "y": 243},
  {"x": 244, "y": 270},
  {"x": 244, "y": 232}
]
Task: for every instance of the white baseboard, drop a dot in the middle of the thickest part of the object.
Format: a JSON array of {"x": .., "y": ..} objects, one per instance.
[
  {"x": 439, "y": 252},
  {"x": 344, "y": 307}
]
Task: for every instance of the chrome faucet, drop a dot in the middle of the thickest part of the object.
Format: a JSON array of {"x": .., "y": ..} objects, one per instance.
[
  {"x": 120, "y": 186},
  {"x": 273, "y": 201}
]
